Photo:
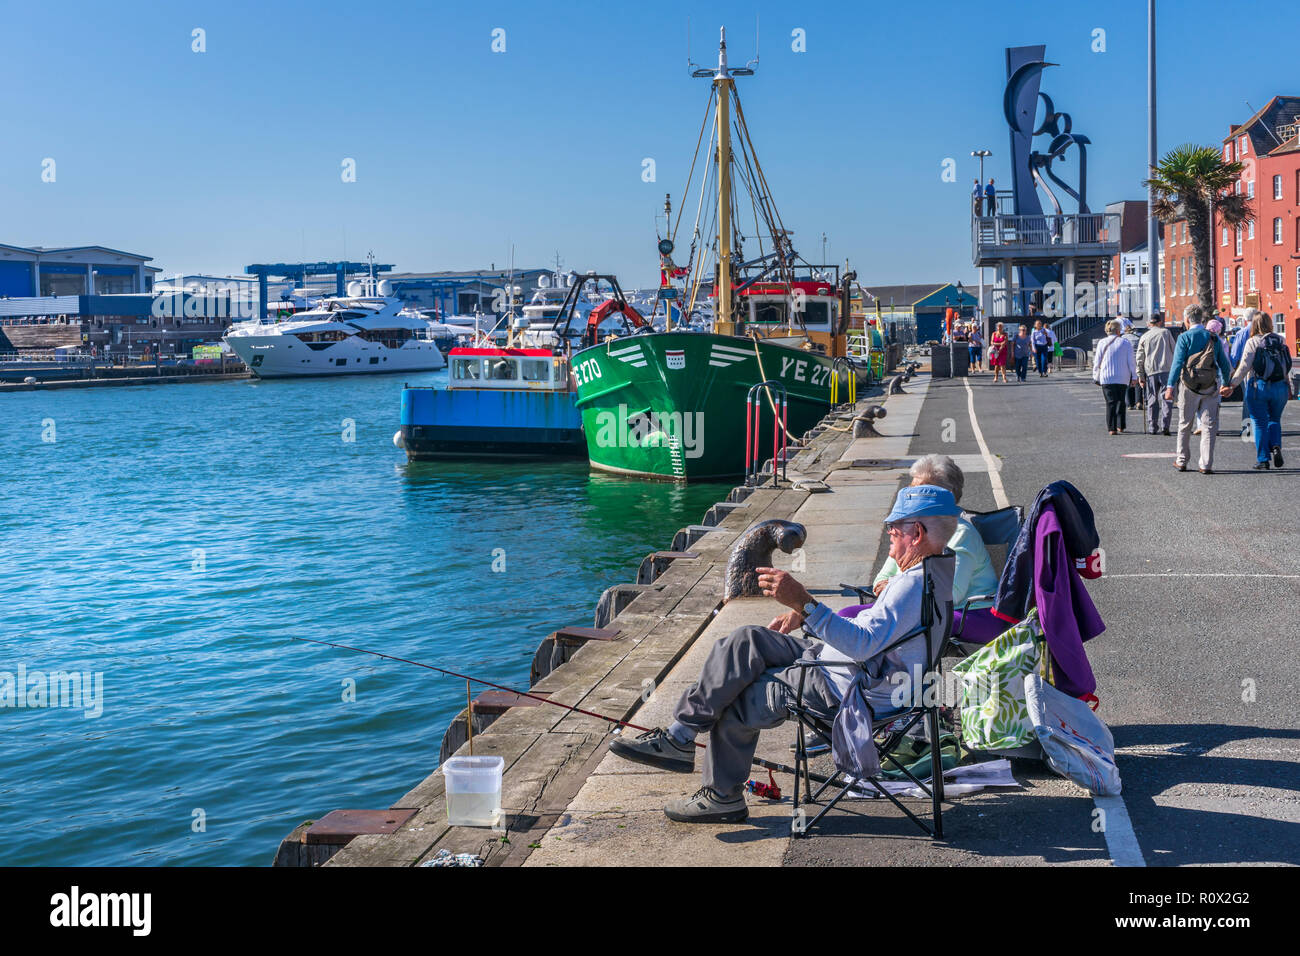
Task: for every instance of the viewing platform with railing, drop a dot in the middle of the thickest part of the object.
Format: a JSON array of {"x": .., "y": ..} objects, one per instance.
[{"x": 1043, "y": 238}]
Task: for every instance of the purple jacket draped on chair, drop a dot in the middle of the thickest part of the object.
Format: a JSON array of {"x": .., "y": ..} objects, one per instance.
[{"x": 1065, "y": 609}]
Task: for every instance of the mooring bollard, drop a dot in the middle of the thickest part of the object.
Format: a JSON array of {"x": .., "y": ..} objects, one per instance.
[
  {"x": 864, "y": 425},
  {"x": 753, "y": 550}
]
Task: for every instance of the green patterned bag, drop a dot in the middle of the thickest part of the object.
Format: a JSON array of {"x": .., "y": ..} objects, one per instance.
[{"x": 994, "y": 715}]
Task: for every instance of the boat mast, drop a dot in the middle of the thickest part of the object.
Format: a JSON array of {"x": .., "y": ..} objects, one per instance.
[{"x": 722, "y": 82}]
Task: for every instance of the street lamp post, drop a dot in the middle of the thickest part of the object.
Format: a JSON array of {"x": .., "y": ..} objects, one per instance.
[
  {"x": 1153, "y": 242},
  {"x": 979, "y": 307}
]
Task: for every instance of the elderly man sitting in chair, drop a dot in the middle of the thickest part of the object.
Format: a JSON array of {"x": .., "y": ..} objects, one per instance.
[{"x": 747, "y": 682}]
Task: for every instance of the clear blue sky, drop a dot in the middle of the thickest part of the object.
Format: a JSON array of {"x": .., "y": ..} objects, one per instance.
[{"x": 210, "y": 161}]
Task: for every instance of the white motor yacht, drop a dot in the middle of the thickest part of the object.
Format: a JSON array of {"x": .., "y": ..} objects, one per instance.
[{"x": 364, "y": 332}]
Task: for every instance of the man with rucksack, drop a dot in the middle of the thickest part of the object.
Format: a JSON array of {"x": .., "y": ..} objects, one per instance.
[
  {"x": 1265, "y": 367},
  {"x": 1199, "y": 360}
]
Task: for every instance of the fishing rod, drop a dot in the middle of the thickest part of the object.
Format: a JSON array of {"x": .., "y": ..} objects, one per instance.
[{"x": 756, "y": 761}]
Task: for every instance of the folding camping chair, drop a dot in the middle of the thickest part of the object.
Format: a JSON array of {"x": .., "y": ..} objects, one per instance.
[
  {"x": 935, "y": 629},
  {"x": 999, "y": 530}
]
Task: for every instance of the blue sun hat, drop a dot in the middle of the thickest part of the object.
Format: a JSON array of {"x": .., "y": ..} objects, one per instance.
[{"x": 921, "y": 501}]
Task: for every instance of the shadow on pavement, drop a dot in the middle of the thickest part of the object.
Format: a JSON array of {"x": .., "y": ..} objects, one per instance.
[{"x": 1182, "y": 801}]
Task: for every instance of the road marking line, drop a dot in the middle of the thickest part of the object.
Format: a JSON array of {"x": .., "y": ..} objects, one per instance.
[
  {"x": 1120, "y": 838},
  {"x": 1121, "y": 841},
  {"x": 995, "y": 477},
  {"x": 1198, "y": 574}
]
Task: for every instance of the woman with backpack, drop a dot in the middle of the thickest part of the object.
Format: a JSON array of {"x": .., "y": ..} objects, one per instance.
[
  {"x": 1265, "y": 367},
  {"x": 1114, "y": 368}
]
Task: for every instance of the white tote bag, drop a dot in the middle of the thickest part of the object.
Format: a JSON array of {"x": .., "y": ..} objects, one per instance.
[{"x": 1074, "y": 740}]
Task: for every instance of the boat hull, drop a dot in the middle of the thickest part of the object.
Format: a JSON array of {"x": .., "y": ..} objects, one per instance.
[
  {"x": 274, "y": 356},
  {"x": 672, "y": 405},
  {"x": 440, "y": 423}
]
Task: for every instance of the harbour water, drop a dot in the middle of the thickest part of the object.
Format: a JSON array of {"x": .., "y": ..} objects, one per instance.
[{"x": 169, "y": 541}]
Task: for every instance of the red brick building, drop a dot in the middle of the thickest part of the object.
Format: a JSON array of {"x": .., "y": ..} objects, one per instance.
[
  {"x": 1177, "y": 271},
  {"x": 1258, "y": 264}
]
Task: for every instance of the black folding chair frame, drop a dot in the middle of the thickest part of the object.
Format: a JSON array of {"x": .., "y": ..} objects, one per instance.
[{"x": 820, "y": 725}]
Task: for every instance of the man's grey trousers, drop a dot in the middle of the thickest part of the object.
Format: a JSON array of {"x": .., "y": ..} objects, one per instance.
[
  {"x": 1159, "y": 409},
  {"x": 747, "y": 684}
]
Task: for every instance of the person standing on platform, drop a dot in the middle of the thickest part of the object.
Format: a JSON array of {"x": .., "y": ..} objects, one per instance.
[
  {"x": 998, "y": 353},
  {"x": 1199, "y": 360},
  {"x": 1021, "y": 349},
  {"x": 1114, "y": 369},
  {"x": 977, "y": 199},
  {"x": 1155, "y": 354},
  {"x": 990, "y": 199},
  {"x": 1265, "y": 367}
]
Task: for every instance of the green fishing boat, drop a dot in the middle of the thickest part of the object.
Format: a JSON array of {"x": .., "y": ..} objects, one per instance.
[{"x": 680, "y": 404}]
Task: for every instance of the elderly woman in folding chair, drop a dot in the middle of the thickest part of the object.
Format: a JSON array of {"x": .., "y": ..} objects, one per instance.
[
  {"x": 747, "y": 682},
  {"x": 975, "y": 582}
]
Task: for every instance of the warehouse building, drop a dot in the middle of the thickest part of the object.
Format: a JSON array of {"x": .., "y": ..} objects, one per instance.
[{"x": 37, "y": 271}]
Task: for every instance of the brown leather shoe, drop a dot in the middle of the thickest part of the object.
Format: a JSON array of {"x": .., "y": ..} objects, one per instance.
[
  {"x": 1207, "y": 471},
  {"x": 1178, "y": 467}
]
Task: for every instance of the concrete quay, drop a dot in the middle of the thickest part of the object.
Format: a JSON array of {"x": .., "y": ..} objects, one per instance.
[
  {"x": 551, "y": 753},
  {"x": 1195, "y": 671}
]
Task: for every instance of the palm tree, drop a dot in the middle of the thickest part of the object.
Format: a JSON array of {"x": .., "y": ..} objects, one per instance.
[{"x": 1185, "y": 181}]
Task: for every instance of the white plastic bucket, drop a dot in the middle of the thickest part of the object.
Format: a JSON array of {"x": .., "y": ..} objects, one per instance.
[{"x": 473, "y": 791}]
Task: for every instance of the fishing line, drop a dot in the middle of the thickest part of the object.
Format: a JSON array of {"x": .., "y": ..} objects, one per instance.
[{"x": 756, "y": 761}]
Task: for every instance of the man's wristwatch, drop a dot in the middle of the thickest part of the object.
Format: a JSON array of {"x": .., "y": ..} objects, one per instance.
[{"x": 808, "y": 609}]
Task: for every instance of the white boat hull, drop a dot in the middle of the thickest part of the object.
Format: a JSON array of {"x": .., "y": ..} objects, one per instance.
[{"x": 284, "y": 356}]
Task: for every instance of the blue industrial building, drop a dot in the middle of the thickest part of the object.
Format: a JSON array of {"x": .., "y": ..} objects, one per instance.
[{"x": 37, "y": 271}]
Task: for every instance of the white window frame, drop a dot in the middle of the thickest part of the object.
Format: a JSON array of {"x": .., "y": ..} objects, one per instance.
[
  {"x": 1238, "y": 231},
  {"x": 1224, "y": 240},
  {"x": 1240, "y": 291},
  {"x": 1250, "y": 229},
  {"x": 1253, "y": 287},
  {"x": 1277, "y": 186},
  {"x": 1250, "y": 189},
  {"x": 1277, "y": 230},
  {"x": 1277, "y": 278},
  {"x": 1227, "y": 279}
]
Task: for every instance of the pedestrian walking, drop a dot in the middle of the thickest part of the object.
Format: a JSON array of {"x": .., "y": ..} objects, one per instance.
[
  {"x": 1053, "y": 349},
  {"x": 1042, "y": 345},
  {"x": 1114, "y": 369},
  {"x": 1215, "y": 328},
  {"x": 1134, "y": 396},
  {"x": 1155, "y": 354},
  {"x": 1199, "y": 360},
  {"x": 976, "y": 348},
  {"x": 1236, "y": 346},
  {"x": 1265, "y": 367},
  {"x": 998, "y": 353},
  {"x": 1021, "y": 350}
]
